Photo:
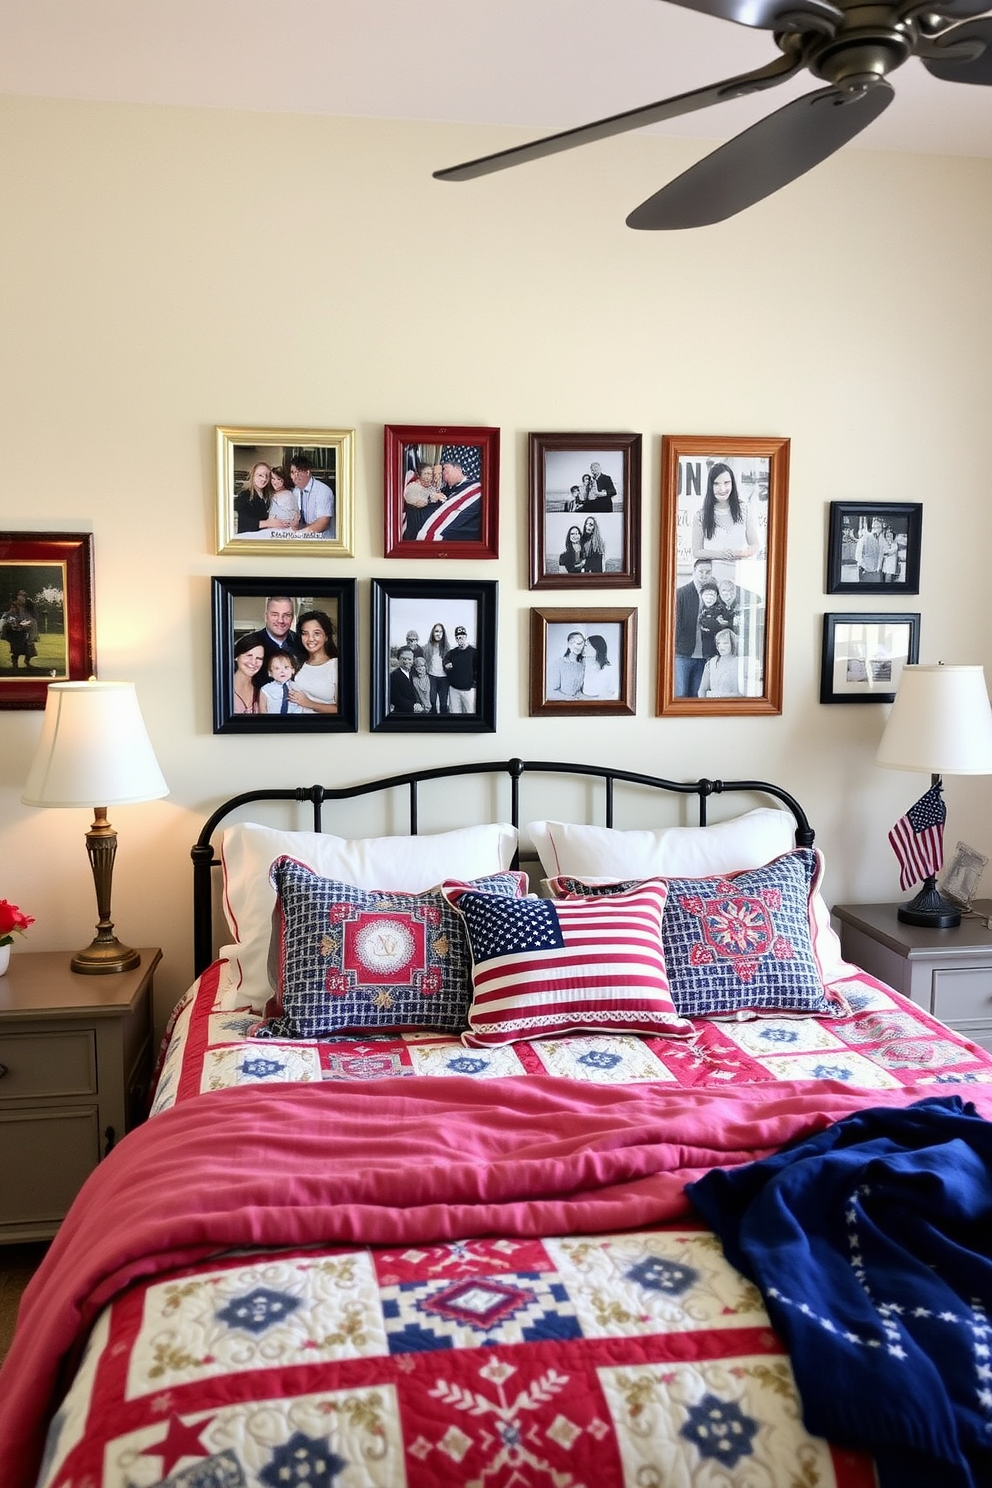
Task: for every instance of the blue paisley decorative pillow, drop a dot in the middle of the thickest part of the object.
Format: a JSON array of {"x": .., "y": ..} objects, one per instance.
[
  {"x": 345, "y": 959},
  {"x": 741, "y": 944}
]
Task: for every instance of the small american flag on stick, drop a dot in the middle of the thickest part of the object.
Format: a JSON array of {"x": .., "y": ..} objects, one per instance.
[{"x": 918, "y": 838}]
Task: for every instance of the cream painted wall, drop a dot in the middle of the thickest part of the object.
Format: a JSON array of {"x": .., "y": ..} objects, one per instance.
[{"x": 168, "y": 270}]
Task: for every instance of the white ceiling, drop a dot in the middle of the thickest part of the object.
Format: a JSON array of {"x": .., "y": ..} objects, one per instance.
[{"x": 539, "y": 65}]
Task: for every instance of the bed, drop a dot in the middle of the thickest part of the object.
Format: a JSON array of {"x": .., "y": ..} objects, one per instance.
[{"x": 411, "y": 1204}]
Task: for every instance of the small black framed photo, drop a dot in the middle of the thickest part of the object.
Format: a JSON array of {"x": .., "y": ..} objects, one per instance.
[
  {"x": 873, "y": 547},
  {"x": 585, "y": 511},
  {"x": 285, "y": 656},
  {"x": 863, "y": 656},
  {"x": 582, "y": 661},
  {"x": 433, "y": 656},
  {"x": 441, "y": 491}
]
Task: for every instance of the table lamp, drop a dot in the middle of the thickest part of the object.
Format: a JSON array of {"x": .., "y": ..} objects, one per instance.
[
  {"x": 940, "y": 722},
  {"x": 94, "y": 747}
]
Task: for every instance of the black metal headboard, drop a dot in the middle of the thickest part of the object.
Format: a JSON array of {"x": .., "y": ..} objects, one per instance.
[{"x": 205, "y": 859}]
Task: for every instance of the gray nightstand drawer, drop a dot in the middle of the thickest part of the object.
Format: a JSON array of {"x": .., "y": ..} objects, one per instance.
[
  {"x": 47, "y": 1064},
  {"x": 45, "y": 1156},
  {"x": 962, "y": 996}
]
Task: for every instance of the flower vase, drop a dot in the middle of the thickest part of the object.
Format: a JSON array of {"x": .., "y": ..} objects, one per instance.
[{"x": 4, "y": 958}]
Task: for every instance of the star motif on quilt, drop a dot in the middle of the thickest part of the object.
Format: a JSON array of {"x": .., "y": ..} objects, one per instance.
[
  {"x": 719, "y": 1430},
  {"x": 302, "y": 1462},
  {"x": 180, "y": 1441},
  {"x": 258, "y": 1310}
]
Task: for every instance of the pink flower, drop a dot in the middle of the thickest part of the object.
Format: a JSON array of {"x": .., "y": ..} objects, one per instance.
[{"x": 12, "y": 922}]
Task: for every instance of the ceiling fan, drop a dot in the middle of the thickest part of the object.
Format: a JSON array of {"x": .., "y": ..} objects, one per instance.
[{"x": 852, "y": 45}]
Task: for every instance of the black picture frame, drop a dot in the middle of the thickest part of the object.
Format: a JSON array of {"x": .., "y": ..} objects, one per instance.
[
  {"x": 238, "y": 608},
  {"x": 401, "y": 607},
  {"x": 558, "y": 465},
  {"x": 846, "y": 521},
  {"x": 863, "y": 656}
]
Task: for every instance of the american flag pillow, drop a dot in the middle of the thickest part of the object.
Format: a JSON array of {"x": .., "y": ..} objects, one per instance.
[{"x": 542, "y": 968}]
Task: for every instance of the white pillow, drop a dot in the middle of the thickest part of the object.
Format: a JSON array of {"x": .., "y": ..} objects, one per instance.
[
  {"x": 408, "y": 865},
  {"x": 748, "y": 841},
  {"x": 744, "y": 842}
]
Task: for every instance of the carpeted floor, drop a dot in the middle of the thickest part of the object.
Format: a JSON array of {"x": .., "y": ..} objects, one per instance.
[{"x": 17, "y": 1265}]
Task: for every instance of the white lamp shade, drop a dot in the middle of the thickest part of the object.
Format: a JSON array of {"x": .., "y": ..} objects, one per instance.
[
  {"x": 94, "y": 749},
  {"x": 941, "y": 722}
]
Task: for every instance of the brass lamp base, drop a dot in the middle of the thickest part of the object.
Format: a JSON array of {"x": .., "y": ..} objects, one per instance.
[{"x": 105, "y": 955}]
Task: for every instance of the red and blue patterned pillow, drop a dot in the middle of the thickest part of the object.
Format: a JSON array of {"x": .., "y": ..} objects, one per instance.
[
  {"x": 542, "y": 968},
  {"x": 740, "y": 943},
  {"x": 344, "y": 959}
]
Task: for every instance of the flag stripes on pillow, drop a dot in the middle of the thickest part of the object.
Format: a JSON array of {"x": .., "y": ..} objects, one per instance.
[{"x": 542, "y": 968}]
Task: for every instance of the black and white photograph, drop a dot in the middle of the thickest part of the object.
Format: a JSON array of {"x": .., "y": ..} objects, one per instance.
[
  {"x": 863, "y": 656},
  {"x": 585, "y": 510},
  {"x": 285, "y": 491},
  {"x": 285, "y": 656},
  {"x": 434, "y": 656},
  {"x": 583, "y": 661},
  {"x": 874, "y": 547},
  {"x": 962, "y": 875},
  {"x": 724, "y": 512}
]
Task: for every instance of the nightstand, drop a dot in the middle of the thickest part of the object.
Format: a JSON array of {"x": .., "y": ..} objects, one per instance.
[
  {"x": 948, "y": 972},
  {"x": 75, "y": 1061}
]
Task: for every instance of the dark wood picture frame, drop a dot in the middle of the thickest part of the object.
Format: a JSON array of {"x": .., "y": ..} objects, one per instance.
[
  {"x": 55, "y": 569},
  {"x": 747, "y": 551},
  {"x": 238, "y": 608},
  {"x": 565, "y": 492},
  {"x": 900, "y": 572},
  {"x": 405, "y": 608},
  {"x": 458, "y": 517},
  {"x": 863, "y": 656},
  {"x": 610, "y": 644}
]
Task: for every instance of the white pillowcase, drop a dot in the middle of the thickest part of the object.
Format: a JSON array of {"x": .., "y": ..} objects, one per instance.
[
  {"x": 748, "y": 841},
  {"x": 409, "y": 865},
  {"x": 751, "y": 840}
]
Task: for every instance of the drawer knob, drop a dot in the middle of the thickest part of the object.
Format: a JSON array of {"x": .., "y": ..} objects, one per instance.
[{"x": 3, "y": 1070}]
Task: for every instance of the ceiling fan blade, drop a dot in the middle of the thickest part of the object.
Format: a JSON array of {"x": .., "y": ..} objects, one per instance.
[
  {"x": 961, "y": 70},
  {"x": 651, "y": 113},
  {"x": 764, "y": 158},
  {"x": 950, "y": 10},
  {"x": 771, "y": 15}
]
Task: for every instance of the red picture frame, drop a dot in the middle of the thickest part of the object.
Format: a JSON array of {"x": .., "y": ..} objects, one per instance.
[
  {"x": 458, "y": 515},
  {"x": 55, "y": 569}
]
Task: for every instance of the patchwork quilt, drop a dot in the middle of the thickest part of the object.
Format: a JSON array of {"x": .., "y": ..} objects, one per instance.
[{"x": 312, "y": 1267}]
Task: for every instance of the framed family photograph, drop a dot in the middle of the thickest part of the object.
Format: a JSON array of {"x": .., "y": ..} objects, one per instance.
[
  {"x": 46, "y": 614},
  {"x": 863, "y": 656},
  {"x": 585, "y": 511},
  {"x": 441, "y": 492},
  {"x": 582, "y": 661},
  {"x": 284, "y": 656},
  {"x": 285, "y": 491},
  {"x": 433, "y": 656},
  {"x": 724, "y": 510},
  {"x": 874, "y": 547}
]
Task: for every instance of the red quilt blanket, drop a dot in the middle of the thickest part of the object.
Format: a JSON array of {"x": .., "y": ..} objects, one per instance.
[{"x": 389, "y": 1165}]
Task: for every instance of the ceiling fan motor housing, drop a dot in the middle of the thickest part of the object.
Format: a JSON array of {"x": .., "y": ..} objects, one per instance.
[{"x": 870, "y": 42}]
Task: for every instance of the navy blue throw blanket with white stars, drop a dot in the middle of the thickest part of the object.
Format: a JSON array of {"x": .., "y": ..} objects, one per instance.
[{"x": 872, "y": 1246}]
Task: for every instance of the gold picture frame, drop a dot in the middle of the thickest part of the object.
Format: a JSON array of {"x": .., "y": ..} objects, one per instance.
[{"x": 253, "y": 518}]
